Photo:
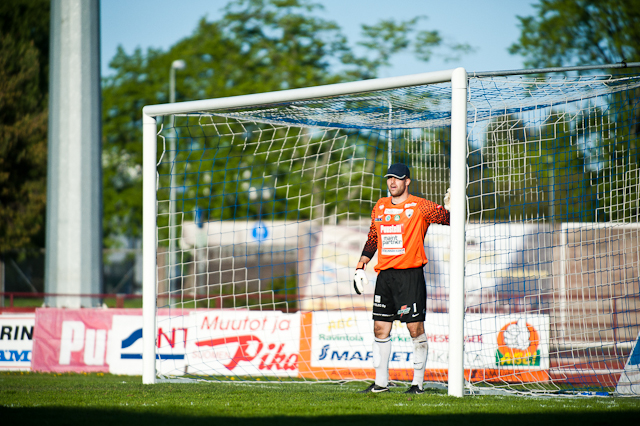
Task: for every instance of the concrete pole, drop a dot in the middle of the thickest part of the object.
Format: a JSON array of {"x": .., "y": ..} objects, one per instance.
[{"x": 73, "y": 262}]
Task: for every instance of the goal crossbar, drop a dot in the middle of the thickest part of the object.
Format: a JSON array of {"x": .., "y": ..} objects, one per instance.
[{"x": 292, "y": 95}]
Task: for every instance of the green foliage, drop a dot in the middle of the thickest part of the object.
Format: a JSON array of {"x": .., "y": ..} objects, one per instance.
[
  {"x": 28, "y": 20},
  {"x": 386, "y": 38},
  {"x": 256, "y": 46},
  {"x": 24, "y": 34},
  {"x": 526, "y": 163},
  {"x": 575, "y": 166},
  {"x": 580, "y": 32},
  {"x": 389, "y": 37},
  {"x": 588, "y": 32},
  {"x": 296, "y": 164}
]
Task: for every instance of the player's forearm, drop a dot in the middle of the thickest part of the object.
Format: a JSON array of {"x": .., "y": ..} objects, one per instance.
[
  {"x": 371, "y": 246},
  {"x": 364, "y": 259},
  {"x": 369, "y": 251},
  {"x": 434, "y": 213}
]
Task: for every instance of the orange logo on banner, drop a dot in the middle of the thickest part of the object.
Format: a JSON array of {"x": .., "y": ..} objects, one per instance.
[{"x": 509, "y": 355}]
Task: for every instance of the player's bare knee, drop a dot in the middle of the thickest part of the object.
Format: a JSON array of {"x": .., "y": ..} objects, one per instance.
[
  {"x": 415, "y": 329},
  {"x": 381, "y": 331}
]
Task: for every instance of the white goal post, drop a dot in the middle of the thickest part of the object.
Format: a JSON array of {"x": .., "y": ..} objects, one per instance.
[
  {"x": 532, "y": 289},
  {"x": 457, "y": 76}
]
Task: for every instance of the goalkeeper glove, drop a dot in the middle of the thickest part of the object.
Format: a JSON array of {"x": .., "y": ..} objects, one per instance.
[
  {"x": 360, "y": 279},
  {"x": 447, "y": 199}
]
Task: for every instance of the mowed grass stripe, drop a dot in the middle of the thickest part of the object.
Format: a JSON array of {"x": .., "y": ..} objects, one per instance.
[{"x": 97, "y": 399}]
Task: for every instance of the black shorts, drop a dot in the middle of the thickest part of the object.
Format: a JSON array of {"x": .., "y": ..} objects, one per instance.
[{"x": 401, "y": 294}]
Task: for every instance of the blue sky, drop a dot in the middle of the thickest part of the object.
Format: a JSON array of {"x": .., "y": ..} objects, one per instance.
[{"x": 490, "y": 26}]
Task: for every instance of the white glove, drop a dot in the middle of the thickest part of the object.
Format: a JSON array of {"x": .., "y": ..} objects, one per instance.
[
  {"x": 447, "y": 199},
  {"x": 360, "y": 280}
]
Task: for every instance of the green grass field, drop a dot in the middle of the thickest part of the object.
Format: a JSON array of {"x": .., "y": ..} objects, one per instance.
[{"x": 97, "y": 399}]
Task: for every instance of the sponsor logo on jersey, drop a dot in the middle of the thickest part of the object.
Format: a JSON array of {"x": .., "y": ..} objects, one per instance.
[
  {"x": 393, "y": 211},
  {"x": 393, "y": 251},
  {"x": 378, "y": 219},
  {"x": 381, "y": 207},
  {"x": 396, "y": 218},
  {"x": 409, "y": 213},
  {"x": 403, "y": 310},
  {"x": 387, "y": 218},
  {"x": 406, "y": 206},
  {"x": 391, "y": 241},
  {"x": 391, "y": 229}
]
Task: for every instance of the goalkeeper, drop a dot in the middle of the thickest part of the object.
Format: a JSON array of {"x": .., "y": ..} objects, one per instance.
[{"x": 398, "y": 227}]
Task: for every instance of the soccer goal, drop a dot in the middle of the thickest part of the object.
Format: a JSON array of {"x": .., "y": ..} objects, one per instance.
[{"x": 257, "y": 207}]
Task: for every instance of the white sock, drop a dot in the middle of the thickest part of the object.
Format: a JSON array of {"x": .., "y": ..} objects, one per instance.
[
  {"x": 420, "y": 353},
  {"x": 381, "y": 354}
]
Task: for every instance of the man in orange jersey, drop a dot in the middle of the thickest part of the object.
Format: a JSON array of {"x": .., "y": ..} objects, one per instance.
[{"x": 399, "y": 224}]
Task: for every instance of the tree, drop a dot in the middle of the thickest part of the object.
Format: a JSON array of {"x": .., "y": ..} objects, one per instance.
[
  {"x": 24, "y": 57},
  {"x": 580, "y": 32},
  {"x": 257, "y": 46},
  {"x": 588, "y": 32},
  {"x": 388, "y": 37}
]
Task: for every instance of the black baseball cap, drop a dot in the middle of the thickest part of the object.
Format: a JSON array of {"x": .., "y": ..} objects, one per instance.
[{"x": 398, "y": 171}]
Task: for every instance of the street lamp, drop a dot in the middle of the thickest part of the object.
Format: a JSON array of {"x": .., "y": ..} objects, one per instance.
[{"x": 178, "y": 64}]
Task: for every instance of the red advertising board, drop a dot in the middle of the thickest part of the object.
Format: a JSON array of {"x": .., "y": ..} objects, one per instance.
[{"x": 73, "y": 339}]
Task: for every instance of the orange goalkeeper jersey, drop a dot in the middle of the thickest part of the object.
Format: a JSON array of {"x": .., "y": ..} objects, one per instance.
[{"x": 397, "y": 232}]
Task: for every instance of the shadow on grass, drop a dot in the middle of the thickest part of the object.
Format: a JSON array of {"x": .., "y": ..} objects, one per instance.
[{"x": 94, "y": 417}]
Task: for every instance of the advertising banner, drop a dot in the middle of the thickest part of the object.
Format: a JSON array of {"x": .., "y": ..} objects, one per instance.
[
  {"x": 16, "y": 341},
  {"x": 206, "y": 342},
  {"x": 125, "y": 344},
  {"x": 73, "y": 339},
  {"x": 629, "y": 382},
  {"x": 244, "y": 343},
  {"x": 511, "y": 347}
]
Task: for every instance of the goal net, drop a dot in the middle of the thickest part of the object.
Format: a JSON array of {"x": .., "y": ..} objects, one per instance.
[{"x": 263, "y": 211}]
